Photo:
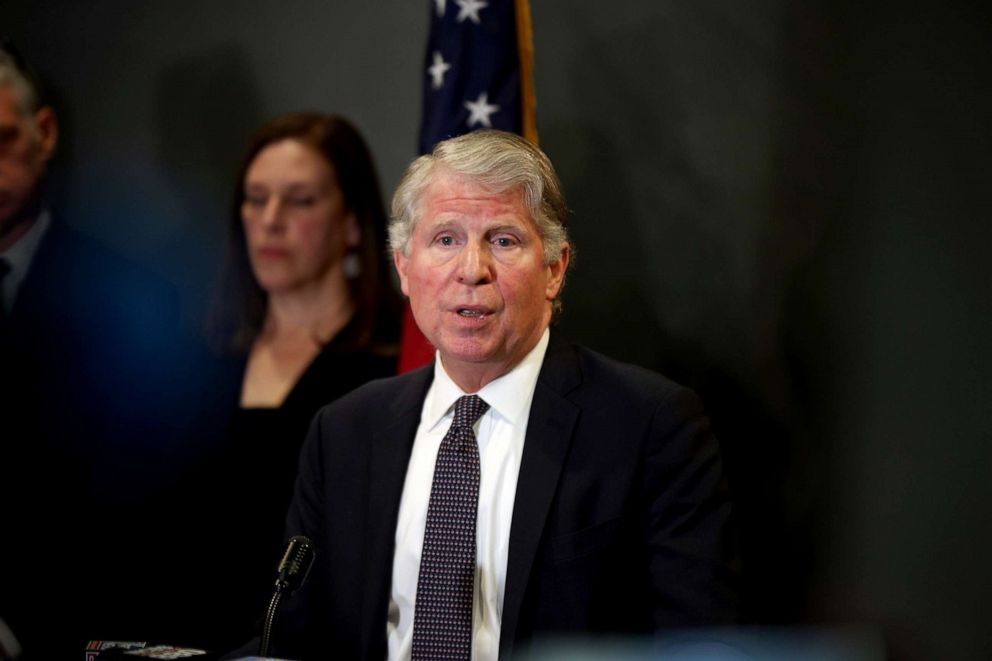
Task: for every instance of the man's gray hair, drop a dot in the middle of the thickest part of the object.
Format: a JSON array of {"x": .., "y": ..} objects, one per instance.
[
  {"x": 26, "y": 95},
  {"x": 495, "y": 160}
]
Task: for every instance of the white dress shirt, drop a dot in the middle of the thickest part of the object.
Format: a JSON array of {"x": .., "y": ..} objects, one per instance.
[{"x": 500, "y": 433}]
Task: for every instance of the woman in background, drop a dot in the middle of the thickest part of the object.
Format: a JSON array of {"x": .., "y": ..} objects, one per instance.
[
  {"x": 307, "y": 309},
  {"x": 306, "y": 294}
]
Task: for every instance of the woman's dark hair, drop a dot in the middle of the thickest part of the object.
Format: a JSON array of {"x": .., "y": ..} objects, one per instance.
[{"x": 238, "y": 315}]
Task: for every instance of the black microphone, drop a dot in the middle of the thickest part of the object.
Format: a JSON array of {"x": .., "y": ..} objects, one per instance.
[
  {"x": 293, "y": 571},
  {"x": 295, "y": 564}
]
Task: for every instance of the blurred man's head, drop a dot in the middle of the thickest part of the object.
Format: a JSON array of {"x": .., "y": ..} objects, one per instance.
[{"x": 28, "y": 134}]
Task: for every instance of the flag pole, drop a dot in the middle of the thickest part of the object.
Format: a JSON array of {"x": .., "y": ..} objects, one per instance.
[{"x": 525, "y": 50}]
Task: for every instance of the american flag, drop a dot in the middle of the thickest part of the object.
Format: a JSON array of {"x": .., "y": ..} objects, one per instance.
[{"x": 477, "y": 74}]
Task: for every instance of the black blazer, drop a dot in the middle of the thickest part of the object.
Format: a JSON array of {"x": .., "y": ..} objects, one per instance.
[
  {"x": 620, "y": 522},
  {"x": 88, "y": 330},
  {"x": 86, "y": 358}
]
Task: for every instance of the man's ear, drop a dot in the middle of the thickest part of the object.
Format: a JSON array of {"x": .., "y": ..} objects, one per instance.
[
  {"x": 556, "y": 272},
  {"x": 48, "y": 130},
  {"x": 401, "y": 261}
]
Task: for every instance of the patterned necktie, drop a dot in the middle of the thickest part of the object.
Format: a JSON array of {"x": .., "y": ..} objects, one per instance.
[{"x": 442, "y": 620}]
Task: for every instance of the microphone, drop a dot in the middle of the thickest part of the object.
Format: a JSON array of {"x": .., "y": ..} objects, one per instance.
[
  {"x": 295, "y": 564},
  {"x": 292, "y": 572}
]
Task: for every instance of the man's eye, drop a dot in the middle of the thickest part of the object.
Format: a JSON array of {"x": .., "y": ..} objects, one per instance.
[
  {"x": 307, "y": 201},
  {"x": 505, "y": 242},
  {"x": 255, "y": 200},
  {"x": 446, "y": 240}
]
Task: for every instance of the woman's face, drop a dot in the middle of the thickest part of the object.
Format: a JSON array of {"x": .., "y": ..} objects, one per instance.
[{"x": 297, "y": 226}]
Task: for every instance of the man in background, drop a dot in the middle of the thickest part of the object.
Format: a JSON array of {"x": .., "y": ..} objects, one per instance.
[{"x": 85, "y": 338}]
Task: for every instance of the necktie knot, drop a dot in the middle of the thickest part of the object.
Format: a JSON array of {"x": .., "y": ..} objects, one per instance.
[{"x": 468, "y": 409}]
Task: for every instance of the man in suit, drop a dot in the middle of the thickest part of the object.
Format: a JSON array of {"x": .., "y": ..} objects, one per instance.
[
  {"x": 85, "y": 354},
  {"x": 588, "y": 498}
]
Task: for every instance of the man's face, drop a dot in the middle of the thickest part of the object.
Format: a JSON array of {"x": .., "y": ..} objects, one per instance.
[
  {"x": 26, "y": 144},
  {"x": 475, "y": 274}
]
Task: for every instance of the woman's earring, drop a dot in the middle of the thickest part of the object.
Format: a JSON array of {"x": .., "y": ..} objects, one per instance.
[{"x": 352, "y": 265}]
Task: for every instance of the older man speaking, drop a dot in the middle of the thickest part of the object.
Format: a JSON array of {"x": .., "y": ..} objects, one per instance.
[{"x": 520, "y": 486}]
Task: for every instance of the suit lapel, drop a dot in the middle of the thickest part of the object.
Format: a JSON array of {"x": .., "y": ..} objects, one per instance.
[
  {"x": 50, "y": 261},
  {"x": 391, "y": 444},
  {"x": 549, "y": 433}
]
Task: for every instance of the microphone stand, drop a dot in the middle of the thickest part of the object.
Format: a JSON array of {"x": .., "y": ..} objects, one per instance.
[
  {"x": 270, "y": 617},
  {"x": 293, "y": 570}
]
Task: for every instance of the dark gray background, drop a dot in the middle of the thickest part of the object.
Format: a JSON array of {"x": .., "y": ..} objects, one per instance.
[{"x": 783, "y": 203}]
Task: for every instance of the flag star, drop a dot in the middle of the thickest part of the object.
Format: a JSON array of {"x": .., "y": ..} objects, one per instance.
[
  {"x": 440, "y": 6},
  {"x": 480, "y": 110},
  {"x": 437, "y": 70},
  {"x": 470, "y": 9}
]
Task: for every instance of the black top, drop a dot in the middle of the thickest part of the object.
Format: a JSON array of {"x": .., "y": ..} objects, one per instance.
[{"x": 234, "y": 504}]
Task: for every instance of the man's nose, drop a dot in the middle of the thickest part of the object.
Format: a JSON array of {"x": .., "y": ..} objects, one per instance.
[{"x": 475, "y": 263}]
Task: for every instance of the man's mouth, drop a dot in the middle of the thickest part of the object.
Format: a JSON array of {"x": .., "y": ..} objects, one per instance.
[{"x": 471, "y": 312}]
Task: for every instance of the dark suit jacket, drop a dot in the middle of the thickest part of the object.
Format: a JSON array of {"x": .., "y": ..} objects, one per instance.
[
  {"x": 620, "y": 521},
  {"x": 88, "y": 329},
  {"x": 84, "y": 412}
]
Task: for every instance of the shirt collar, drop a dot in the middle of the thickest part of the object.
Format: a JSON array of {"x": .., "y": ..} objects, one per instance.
[
  {"x": 509, "y": 395},
  {"x": 19, "y": 257}
]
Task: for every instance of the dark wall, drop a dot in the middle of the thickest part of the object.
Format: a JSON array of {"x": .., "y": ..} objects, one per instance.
[
  {"x": 783, "y": 204},
  {"x": 158, "y": 98}
]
